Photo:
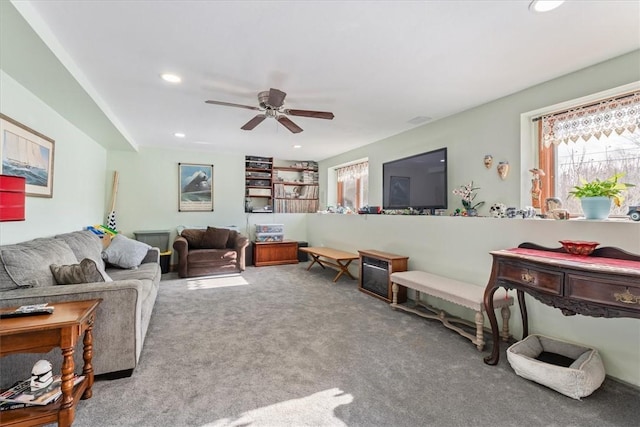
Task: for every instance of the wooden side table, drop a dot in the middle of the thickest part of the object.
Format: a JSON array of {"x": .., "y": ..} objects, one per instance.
[
  {"x": 40, "y": 334},
  {"x": 275, "y": 253}
]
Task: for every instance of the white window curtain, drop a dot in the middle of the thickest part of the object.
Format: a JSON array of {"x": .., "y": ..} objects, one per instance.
[
  {"x": 619, "y": 114},
  {"x": 352, "y": 172}
]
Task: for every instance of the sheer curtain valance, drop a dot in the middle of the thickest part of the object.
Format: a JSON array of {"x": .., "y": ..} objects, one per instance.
[
  {"x": 619, "y": 114},
  {"x": 351, "y": 172}
]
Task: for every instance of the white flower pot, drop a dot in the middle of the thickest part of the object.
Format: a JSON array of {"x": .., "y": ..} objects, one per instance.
[{"x": 596, "y": 207}]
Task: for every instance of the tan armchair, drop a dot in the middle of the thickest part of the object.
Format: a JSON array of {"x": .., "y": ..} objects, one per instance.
[{"x": 210, "y": 251}]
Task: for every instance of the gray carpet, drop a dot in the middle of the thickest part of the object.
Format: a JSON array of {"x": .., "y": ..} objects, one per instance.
[{"x": 293, "y": 349}]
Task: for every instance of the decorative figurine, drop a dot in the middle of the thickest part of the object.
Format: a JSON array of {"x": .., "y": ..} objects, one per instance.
[
  {"x": 488, "y": 161},
  {"x": 503, "y": 169},
  {"x": 536, "y": 187},
  {"x": 498, "y": 210},
  {"x": 634, "y": 212},
  {"x": 551, "y": 204},
  {"x": 41, "y": 376}
]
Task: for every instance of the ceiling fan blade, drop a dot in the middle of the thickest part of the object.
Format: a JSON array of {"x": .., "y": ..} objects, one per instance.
[
  {"x": 289, "y": 124},
  {"x": 307, "y": 113},
  {"x": 276, "y": 98},
  {"x": 230, "y": 104},
  {"x": 254, "y": 122}
]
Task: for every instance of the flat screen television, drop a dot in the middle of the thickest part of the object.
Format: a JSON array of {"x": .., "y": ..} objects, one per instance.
[{"x": 418, "y": 182}]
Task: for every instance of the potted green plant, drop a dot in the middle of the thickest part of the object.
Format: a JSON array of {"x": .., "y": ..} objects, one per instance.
[{"x": 596, "y": 196}]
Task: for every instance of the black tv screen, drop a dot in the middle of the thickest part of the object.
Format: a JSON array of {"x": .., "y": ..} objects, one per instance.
[{"x": 418, "y": 182}]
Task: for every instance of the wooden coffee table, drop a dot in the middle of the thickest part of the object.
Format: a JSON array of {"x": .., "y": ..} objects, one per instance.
[
  {"x": 333, "y": 258},
  {"x": 40, "y": 334}
]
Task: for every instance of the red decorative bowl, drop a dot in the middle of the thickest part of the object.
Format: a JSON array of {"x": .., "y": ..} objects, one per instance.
[{"x": 578, "y": 247}]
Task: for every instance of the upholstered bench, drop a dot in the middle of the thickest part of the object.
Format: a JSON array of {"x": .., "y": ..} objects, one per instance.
[{"x": 460, "y": 293}]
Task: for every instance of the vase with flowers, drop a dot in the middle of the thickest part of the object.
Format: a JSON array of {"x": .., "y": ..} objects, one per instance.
[{"x": 468, "y": 194}]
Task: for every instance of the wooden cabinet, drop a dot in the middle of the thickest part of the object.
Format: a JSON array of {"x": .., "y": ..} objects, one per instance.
[
  {"x": 258, "y": 184},
  {"x": 275, "y": 253},
  {"x": 375, "y": 274},
  {"x": 295, "y": 186}
]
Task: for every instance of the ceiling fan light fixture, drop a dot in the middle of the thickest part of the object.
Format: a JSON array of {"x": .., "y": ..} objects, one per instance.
[
  {"x": 179, "y": 135},
  {"x": 171, "y": 78},
  {"x": 540, "y": 6},
  {"x": 297, "y": 146}
]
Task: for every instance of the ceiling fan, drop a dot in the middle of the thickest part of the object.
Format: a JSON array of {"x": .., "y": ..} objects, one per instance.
[{"x": 272, "y": 105}]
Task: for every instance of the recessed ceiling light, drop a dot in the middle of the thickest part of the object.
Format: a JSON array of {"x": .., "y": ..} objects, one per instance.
[
  {"x": 297, "y": 146},
  {"x": 179, "y": 135},
  {"x": 171, "y": 78},
  {"x": 544, "y": 5}
]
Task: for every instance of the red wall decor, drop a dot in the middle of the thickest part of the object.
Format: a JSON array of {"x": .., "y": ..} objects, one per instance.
[{"x": 12, "y": 198}]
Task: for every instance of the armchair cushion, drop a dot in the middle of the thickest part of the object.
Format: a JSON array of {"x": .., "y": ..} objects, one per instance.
[
  {"x": 215, "y": 238},
  {"x": 193, "y": 237}
]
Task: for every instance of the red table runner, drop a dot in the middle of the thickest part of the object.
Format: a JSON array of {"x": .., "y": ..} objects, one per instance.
[{"x": 614, "y": 262}]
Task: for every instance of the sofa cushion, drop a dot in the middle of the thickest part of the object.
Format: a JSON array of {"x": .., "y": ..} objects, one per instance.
[
  {"x": 86, "y": 244},
  {"x": 85, "y": 272},
  {"x": 193, "y": 237},
  {"x": 215, "y": 238},
  {"x": 124, "y": 252},
  {"x": 147, "y": 271},
  {"x": 27, "y": 264}
]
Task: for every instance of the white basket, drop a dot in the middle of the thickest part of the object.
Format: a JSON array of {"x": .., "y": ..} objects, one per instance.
[{"x": 578, "y": 380}]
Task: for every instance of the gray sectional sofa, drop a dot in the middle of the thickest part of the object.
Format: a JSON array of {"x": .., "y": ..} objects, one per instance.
[{"x": 121, "y": 320}]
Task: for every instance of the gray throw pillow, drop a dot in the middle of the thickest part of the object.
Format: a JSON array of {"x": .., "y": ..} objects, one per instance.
[
  {"x": 85, "y": 272},
  {"x": 124, "y": 252},
  {"x": 85, "y": 244},
  {"x": 28, "y": 263}
]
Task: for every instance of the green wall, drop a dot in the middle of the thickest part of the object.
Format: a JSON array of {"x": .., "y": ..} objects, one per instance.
[
  {"x": 79, "y": 170},
  {"x": 459, "y": 247},
  {"x": 148, "y": 193}
]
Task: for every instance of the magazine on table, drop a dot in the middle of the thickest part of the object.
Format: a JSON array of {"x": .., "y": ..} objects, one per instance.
[{"x": 21, "y": 392}]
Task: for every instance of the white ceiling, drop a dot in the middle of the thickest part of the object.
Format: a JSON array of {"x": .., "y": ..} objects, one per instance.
[{"x": 375, "y": 64}]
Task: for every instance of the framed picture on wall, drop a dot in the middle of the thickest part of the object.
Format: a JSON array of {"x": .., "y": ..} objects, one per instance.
[
  {"x": 29, "y": 154},
  {"x": 196, "y": 187}
]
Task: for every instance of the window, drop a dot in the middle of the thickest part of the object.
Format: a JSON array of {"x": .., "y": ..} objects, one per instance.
[
  {"x": 353, "y": 185},
  {"x": 587, "y": 142}
]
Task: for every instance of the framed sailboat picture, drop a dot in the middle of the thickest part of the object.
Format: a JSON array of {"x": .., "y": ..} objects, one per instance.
[{"x": 27, "y": 153}]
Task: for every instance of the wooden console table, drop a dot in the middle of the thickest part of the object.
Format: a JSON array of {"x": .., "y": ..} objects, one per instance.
[
  {"x": 40, "y": 334},
  {"x": 603, "y": 284}
]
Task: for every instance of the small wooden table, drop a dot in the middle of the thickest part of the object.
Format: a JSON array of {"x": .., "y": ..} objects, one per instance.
[
  {"x": 41, "y": 333},
  {"x": 335, "y": 258}
]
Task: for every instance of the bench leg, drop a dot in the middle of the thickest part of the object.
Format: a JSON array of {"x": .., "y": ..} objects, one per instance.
[
  {"x": 394, "y": 291},
  {"x": 506, "y": 315},
  {"x": 479, "y": 330}
]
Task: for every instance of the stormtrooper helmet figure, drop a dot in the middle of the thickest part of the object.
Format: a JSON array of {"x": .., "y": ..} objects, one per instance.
[
  {"x": 498, "y": 210},
  {"x": 41, "y": 376}
]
